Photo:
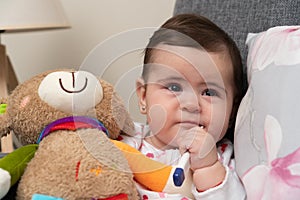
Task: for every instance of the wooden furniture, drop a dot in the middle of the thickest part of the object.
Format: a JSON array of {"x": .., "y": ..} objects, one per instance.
[{"x": 8, "y": 81}]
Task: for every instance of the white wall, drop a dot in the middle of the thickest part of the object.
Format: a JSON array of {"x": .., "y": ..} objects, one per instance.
[{"x": 120, "y": 28}]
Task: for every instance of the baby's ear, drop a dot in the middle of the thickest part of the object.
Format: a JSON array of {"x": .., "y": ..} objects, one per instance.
[{"x": 4, "y": 121}]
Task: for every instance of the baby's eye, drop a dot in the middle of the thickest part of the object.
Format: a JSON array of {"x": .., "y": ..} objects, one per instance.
[
  {"x": 174, "y": 87},
  {"x": 210, "y": 92}
]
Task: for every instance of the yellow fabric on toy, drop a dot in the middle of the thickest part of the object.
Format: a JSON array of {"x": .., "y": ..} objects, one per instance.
[
  {"x": 3, "y": 108},
  {"x": 150, "y": 173}
]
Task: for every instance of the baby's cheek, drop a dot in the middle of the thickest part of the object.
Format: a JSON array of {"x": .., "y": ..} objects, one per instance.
[
  {"x": 157, "y": 117},
  {"x": 218, "y": 122}
]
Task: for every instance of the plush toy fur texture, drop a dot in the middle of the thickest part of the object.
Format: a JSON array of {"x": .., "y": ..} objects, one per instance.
[
  {"x": 77, "y": 172},
  {"x": 81, "y": 164}
]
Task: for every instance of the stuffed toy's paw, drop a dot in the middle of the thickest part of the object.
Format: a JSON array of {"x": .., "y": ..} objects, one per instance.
[{"x": 4, "y": 182}]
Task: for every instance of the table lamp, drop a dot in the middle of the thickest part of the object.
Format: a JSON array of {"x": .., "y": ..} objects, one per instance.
[{"x": 18, "y": 16}]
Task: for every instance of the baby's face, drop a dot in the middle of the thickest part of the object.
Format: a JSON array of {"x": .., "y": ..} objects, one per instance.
[{"x": 187, "y": 87}]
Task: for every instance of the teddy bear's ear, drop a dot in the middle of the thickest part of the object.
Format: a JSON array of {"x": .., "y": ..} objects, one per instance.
[
  {"x": 128, "y": 126},
  {"x": 122, "y": 116},
  {"x": 112, "y": 112},
  {"x": 4, "y": 122}
]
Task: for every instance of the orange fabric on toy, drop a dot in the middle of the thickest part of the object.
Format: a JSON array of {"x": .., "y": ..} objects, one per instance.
[{"x": 150, "y": 173}]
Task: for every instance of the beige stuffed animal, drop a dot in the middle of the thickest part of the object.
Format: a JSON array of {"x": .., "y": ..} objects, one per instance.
[{"x": 70, "y": 114}]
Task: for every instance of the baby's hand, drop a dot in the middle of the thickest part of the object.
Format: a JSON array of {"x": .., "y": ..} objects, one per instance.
[
  {"x": 208, "y": 171},
  {"x": 201, "y": 145}
]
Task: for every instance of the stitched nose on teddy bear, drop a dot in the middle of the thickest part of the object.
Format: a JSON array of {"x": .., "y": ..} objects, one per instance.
[{"x": 73, "y": 92}]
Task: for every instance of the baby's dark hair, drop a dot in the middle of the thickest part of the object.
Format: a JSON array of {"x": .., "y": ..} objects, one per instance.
[{"x": 190, "y": 30}]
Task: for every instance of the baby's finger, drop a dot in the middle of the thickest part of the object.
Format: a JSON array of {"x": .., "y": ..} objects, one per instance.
[
  {"x": 207, "y": 145},
  {"x": 183, "y": 144},
  {"x": 189, "y": 139},
  {"x": 182, "y": 150},
  {"x": 194, "y": 139}
]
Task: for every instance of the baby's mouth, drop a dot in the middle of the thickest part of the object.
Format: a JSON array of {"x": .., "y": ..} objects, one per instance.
[{"x": 191, "y": 124}]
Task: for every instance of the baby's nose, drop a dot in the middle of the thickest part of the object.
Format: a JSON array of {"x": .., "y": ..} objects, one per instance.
[{"x": 190, "y": 103}]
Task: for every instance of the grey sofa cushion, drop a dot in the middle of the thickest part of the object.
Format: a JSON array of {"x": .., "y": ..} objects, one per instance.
[{"x": 239, "y": 17}]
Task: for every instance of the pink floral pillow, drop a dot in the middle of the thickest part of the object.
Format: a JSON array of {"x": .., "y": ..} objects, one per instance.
[{"x": 267, "y": 137}]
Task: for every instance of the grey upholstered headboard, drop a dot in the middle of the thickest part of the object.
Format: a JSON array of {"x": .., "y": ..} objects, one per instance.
[{"x": 239, "y": 17}]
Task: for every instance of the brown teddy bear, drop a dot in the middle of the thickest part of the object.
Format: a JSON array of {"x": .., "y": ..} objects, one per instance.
[{"x": 70, "y": 114}]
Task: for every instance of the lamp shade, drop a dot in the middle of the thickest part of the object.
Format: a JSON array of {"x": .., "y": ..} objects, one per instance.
[{"x": 31, "y": 14}]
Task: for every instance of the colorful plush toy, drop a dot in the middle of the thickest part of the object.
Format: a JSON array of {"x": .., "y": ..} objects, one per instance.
[
  {"x": 64, "y": 119},
  {"x": 76, "y": 160}
]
